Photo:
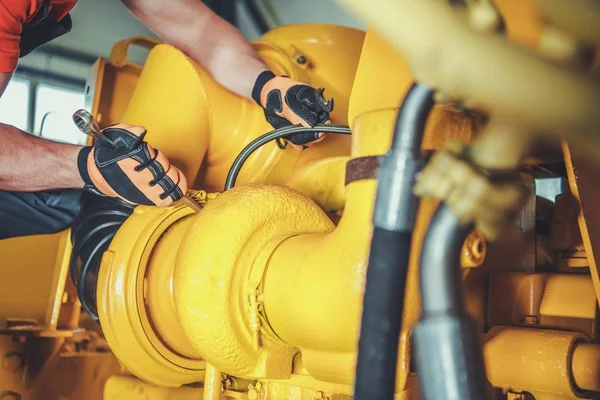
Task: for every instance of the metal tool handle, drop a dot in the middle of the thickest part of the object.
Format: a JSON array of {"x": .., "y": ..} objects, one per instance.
[{"x": 88, "y": 125}]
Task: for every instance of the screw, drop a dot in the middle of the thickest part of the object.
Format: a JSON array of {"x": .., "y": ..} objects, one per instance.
[{"x": 301, "y": 60}]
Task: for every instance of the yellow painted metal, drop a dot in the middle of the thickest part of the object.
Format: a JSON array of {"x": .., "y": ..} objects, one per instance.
[
  {"x": 130, "y": 388},
  {"x": 474, "y": 250},
  {"x": 178, "y": 102},
  {"x": 158, "y": 287},
  {"x": 382, "y": 80},
  {"x": 549, "y": 301},
  {"x": 582, "y": 175},
  {"x": 34, "y": 301},
  {"x": 325, "y": 48},
  {"x": 215, "y": 259},
  {"x": 111, "y": 83},
  {"x": 129, "y": 321},
  {"x": 52, "y": 368},
  {"x": 532, "y": 360},
  {"x": 332, "y": 266},
  {"x": 213, "y": 383},
  {"x": 586, "y": 366}
]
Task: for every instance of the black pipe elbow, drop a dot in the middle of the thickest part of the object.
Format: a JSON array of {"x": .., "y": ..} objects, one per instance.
[
  {"x": 92, "y": 232},
  {"x": 447, "y": 342}
]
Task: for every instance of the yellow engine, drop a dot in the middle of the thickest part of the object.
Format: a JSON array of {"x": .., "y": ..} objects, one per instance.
[{"x": 259, "y": 294}]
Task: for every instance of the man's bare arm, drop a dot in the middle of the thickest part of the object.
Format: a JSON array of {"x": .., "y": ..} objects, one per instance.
[
  {"x": 218, "y": 46},
  {"x": 29, "y": 163}
]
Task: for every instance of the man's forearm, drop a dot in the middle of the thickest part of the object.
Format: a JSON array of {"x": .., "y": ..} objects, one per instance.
[
  {"x": 29, "y": 163},
  {"x": 228, "y": 56},
  {"x": 217, "y": 45}
]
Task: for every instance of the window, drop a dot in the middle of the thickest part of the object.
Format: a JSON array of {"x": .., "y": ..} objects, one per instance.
[
  {"x": 53, "y": 114},
  {"x": 14, "y": 103}
]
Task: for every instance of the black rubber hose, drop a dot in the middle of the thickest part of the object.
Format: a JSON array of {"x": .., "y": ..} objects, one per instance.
[
  {"x": 378, "y": 344},
  {"x": 393, "y": 221},
  {"x": 91, "y": 234},
  {"x": 276, "y": 134},
  {"x": 441, "y": 283},
  {"x": 447, "y": 341}
]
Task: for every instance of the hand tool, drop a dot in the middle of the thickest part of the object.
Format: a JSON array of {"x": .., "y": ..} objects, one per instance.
[{"x": 87, "y": 124}]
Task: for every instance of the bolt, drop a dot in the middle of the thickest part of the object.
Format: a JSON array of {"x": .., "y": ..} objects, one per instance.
[
  {"x": 255, "y": 392},
  {"x": 530, "y": 320},
  {"x": 320, "y": 396},
  {"x": 13, "y": 361},
  {"x": 301, "y": 60}
]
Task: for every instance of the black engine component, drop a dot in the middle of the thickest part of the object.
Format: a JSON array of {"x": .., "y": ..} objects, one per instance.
[{"x": 93, "y": 229}]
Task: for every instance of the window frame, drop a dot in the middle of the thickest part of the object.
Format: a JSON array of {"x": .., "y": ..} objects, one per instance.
[{"x": 36, "y": 78}]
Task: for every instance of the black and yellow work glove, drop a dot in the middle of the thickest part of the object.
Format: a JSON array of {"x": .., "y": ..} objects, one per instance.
[
  {"x": 130, "y": 169},
  {"x": 288, "y": 102}
]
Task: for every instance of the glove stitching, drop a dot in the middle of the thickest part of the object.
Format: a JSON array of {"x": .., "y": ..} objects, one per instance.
[
  {"x": 159, "y": 177},
  {"x": 157, "y": 169},
  {"x": 113, "y": 160},
  {"x": 126, "y": 133},
  {"x": 171, "y": 192}
]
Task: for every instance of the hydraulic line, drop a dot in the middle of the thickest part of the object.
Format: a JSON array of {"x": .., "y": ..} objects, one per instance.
[
  {"x": 393, "y": 221},
  {"x": 93, "y": 229},
  {"x": 447, "y": 341},
  {"x": 276, "y": 134}
]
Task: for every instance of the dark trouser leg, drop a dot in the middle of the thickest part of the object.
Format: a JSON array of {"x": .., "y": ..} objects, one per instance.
[{"x": 51, "y": 211}]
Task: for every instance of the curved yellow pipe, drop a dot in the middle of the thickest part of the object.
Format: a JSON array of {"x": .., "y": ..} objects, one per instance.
[{"x": 178, "y": 102}]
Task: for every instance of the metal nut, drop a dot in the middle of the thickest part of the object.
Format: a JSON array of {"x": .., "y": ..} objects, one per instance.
[
  {"x": 255, "y": 392},
  {"x": 531, "y": 320}
]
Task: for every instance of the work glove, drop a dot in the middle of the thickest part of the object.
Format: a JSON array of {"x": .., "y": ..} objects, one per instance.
[
  {"x": 132, "y": 171},
  {"x": 288, "y": 102}
]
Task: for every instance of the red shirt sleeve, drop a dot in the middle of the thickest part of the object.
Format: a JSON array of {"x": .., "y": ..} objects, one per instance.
[{"x": 13, "y": 14}]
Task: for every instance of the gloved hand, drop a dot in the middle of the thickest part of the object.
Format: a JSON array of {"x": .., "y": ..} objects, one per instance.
[
  {"x": 133, "y": 171},
  {"x": 288, "y": 102}
]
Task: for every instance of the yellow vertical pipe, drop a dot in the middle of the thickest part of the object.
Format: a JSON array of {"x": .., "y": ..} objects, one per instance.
[
  {"x": 307, "y": 271},
  {"x": 212, "y": 383}
]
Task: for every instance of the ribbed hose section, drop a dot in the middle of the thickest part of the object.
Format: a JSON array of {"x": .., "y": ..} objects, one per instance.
[
  {"x": 93, "y": 229},
  {"x": 393, "y": 221},
  {"x": 378, "y": 347}
]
